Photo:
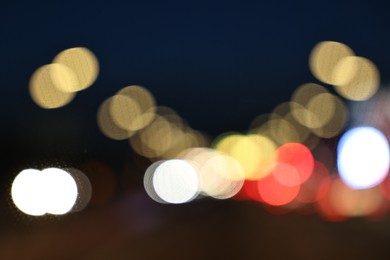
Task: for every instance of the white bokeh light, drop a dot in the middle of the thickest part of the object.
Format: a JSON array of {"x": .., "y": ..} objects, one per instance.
[
  {"x": 61, "y": 190},
  {"x": 148, "y": 182},
  {"x": 28, "y": 192},
  {"x": 363, "y": 157},
  {"x": 37, "y": 193},
  {"x": 176, "y": 181}
]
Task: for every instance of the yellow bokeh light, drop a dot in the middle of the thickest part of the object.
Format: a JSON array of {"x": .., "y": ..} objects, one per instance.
[
  {"x": 283, "y": 127},
  {"x": 186, "y": 138},
  {"x": 248, "y": 153},
  {"x": 127, "y": 112},
  {"x": 325, "y": 56},
  {"x": 166, "y": 136},
  {"x": 312, "y": 105},
  {"x": 142, "y": 149},
  {"x": 63, "y": 77},
  {"x": 226, "y": 141},
  {"x": 108, "y": 126},
  {"x": 124, "y": 111},
  {"x": 323, "y": 107},
  {"x": 336, "y": 124},
  {"x": 362, "y": 80},
  {"x": 282, "y": 131},
  {"x": 159, "y": 135},
  {"x": 253, "y": 152},
  {"x": 267, "y": 158},
  {"x": 160, "y": 139},
  {"x": 146, "y": 104},
  {"x": 303, "y": 133},
  {"x": 304, "y": 93},
  {"x": 44, "y": 90},
  {"x": 83, "y": 63}
]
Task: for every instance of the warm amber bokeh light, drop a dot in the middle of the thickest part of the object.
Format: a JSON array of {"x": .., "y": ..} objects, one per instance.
[
  {"x": 83, "y": 63},
  {"x": 325, "y": 56},
  {"x": 45, "y": 91}
]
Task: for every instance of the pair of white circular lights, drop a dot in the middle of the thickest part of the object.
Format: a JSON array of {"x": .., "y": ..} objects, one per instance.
[{"x": 50, "y": 191}]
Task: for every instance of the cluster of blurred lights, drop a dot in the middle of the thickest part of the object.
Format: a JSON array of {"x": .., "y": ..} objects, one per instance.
[
  {"x": 55, "y": 85},
  {"x": 50, "y": 191},
  {"x": 153, "y": 131},
  {"x": 353, "y": 77},
  {"x": 272, "y": 163}
]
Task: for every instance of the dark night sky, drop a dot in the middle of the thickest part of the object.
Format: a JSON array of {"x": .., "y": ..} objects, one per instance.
[{"x": 219, "y": 64}]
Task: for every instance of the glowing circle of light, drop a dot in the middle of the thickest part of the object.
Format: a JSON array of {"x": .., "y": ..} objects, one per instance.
[
  {"x": 27, "y": 192},
  {"x": 286, "y": 174},
  {"x": 148, "y": 182},
  {"x": 61, "y": 191},
  {"x": 363, "y": 75},
  {"x": 274, "y": 193},
  {"x": 363, "y": 157},
  {"x": 176, "y": 181},
  {"x": 124, "y": 110},
  {"x": 221, "y": 176},
  {"x": 83, "y": 63},
  {"x": 108, "y": 126},
  {"x": 298, "y": 156},
  {"x": 325, "y": 56},
  {"x": 45, "y": 91},
  {"x": 146, "y": 103}
]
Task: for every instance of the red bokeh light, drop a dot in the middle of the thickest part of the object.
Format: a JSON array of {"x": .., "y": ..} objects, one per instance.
[
  {"x": 274, "y": 193},
  {"x": 249, "y": 191},
  {"x": 298, "y": 156}
]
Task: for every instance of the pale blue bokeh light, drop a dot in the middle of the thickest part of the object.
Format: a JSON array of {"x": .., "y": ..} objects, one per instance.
[{"x": 363, "y": 157}]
